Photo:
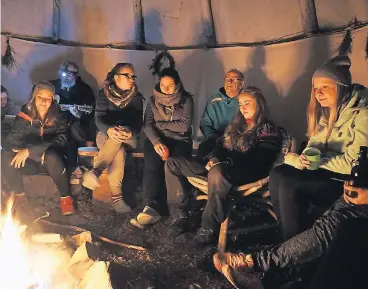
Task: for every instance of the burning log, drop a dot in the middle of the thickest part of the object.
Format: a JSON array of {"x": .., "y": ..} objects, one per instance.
[{"x": 102, "y": 238}]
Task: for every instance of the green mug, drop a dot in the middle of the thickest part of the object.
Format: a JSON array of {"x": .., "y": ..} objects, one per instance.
[{"x": 314, "y": 156}]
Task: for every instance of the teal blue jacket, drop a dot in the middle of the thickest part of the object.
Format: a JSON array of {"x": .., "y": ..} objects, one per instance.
[{"x": 219, "y": 112}]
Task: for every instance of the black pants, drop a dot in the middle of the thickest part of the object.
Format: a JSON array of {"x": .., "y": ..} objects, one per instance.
[
  {"x": 313, "y": 243},
  {"x": 345, "y": 264},
  {"x": 176, "y": 172},
  {"x": 206, "y": 147},
  {"x": 53, "y": 165},
  {"x": 293, "y": 190},
  {"x": 154, "y": 188},
  {"x": 78, "y": 138}
]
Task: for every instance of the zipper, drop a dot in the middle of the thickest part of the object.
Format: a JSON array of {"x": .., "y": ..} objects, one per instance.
[{"x": 41, "y": 130}]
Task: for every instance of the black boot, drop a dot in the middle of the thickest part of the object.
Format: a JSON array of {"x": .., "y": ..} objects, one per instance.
[
  {"x": 206, "y": 236},
  {"x": 180, "y": 223}
]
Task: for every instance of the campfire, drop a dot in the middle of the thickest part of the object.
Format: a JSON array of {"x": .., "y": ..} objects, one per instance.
[{"x": 30, "y": 262}]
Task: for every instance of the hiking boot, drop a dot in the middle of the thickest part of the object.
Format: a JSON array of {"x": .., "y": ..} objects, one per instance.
[
  {"x": 149, "y": 216},
  {"x": 67, "y": 206},
  {"x": 234, "y": 260},
  {"x": 119, "y": 205},
  {"x": 242, "y": 277},
  {"x": 205, "y": 236},
  {"x": 91, "y": 180}
]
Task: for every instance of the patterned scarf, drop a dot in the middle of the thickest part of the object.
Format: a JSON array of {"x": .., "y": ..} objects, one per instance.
[
  {"x": 165, "y": 103},
  {"x": 120, "y": 98}
]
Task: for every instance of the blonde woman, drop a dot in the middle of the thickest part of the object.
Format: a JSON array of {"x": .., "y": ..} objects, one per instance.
[{"x": 337, "y": 127}]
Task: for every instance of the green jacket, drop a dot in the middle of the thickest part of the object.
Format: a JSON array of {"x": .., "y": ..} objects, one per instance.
[{"x": 349, "y": 133}]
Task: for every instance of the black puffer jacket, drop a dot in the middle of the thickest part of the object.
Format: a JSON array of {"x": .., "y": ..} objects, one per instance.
[{"x": 36, "y": 136}]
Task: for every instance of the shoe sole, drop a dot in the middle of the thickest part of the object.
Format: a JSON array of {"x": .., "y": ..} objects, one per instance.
[
  {"x": 226, "y": 271},
  {"x": 145, "y": 219},
  {"x": 68, "y": 214},
  {"x": 136, "y": 224}
]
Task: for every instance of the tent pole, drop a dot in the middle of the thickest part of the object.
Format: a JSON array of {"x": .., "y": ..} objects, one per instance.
[
  {"x": 209, "y": 23},
  {"x": 309, "y": 16},
  {"x": 56, "y": 21},
  {"x": 139, "y": 24}
]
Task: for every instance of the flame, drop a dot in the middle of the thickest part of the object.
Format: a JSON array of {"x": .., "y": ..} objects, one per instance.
[
  {"x": 14, "y": 270},
  {"x": 24, "y": 265}
]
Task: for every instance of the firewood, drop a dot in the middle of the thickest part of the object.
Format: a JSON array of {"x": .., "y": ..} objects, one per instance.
[{"x": 102, "y": 238}]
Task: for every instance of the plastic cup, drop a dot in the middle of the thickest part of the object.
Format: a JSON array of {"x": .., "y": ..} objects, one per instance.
[{"x": 314, "y": 156}]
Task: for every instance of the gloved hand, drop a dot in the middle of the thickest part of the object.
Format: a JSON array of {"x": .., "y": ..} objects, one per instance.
[{"x": 74, "y": 111}]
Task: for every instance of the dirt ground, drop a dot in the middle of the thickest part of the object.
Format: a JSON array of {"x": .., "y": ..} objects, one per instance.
[{"x": 169, "y": 262}]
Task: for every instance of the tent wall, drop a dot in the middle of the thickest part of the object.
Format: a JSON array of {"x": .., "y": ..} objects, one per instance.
[
  {"x": 282, "y": 71},
  {"x": 337, "y": 13},
  {"x": 176, "y": 23}
]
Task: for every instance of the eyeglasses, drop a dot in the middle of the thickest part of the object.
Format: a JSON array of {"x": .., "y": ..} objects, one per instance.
[
  {"x": 128, "y": 76},
  {"x": 232, "y": 79}
]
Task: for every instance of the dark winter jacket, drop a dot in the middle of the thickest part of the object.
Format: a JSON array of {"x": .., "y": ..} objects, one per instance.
[
  {"x": 37, "y": 136},
  {"x": 80, "y": 94},
  {"x": 178, "y": 127},
  {"x": 108, "y": 114},
  {"x": 254, "y": 162}
]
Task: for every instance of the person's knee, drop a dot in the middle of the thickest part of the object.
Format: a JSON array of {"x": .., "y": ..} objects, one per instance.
[
  {"x": 216, "y": 176},
  {"x": 7, "y": 157},
  {"x": 284, "y": 173},
  {"x": 172, "y": 165},
  {"x": 52, "y": 157}
]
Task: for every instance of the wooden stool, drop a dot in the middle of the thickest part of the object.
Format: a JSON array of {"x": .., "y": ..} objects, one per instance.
[{"x": 87, "y": 157}]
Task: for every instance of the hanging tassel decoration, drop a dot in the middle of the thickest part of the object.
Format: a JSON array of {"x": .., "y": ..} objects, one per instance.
[
  {"x": 162, "y": 60},
  {"x": 8, "y": 59},
  {"x": 345, "y": 48}
]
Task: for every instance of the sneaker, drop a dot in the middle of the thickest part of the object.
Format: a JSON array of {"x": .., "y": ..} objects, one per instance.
[
  {"x": 91, "y": 180},
  {"x": 242, "y": 277},
  {"x": 67, "y": 206},
  {"x": 234, "y": 260},
  {"x": 149, "y": 216},
  {"x": 119, "y": 205},
  {"x": 205, "y": 236}
]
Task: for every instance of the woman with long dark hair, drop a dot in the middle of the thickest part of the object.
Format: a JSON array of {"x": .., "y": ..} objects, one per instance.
[
  {"x": 119, "y": 118},
  {"x": 37, "y": 143},
  {"x": 246, "y": 153},
  {"x": 337, "y": 126},
  {"x": 167, "y": 124}
]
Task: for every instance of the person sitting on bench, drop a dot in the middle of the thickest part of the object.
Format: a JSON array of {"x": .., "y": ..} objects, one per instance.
[
  {"x": 119, "y": 119},
  {"x": 37, "y": 143},
  {"x": 168, "y": 126},
  {"x": 337, "y": 128},
  {"x": 246, "y": 153},
  {"x": 72, "y": 94},
  {"x": 220, "y": 110}
]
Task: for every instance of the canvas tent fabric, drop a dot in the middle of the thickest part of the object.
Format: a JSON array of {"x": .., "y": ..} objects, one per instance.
[
  {"x": 282, "y": 71},
  {"x": 89, "y": 27}
]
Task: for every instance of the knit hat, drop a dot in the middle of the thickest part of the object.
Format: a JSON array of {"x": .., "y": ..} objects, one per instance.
[
  {"x": 336, "y": 69},
  {"x": 40, "y": 86}
]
